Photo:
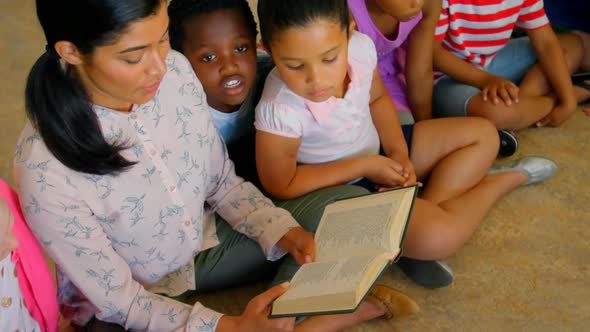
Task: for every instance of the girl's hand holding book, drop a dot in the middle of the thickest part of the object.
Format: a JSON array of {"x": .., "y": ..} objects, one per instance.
[{"x": 384, "y": 171}]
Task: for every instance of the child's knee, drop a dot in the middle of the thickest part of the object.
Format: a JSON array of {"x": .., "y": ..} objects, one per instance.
[
  {"x": 485, "y": 130},
  {"x": 572, "y": 46},
  {"x": 489, "y": 136},
  {"x": 585, "y": 37},
  {"x": 440, "y": 246},
  {"x": 437, "y": 241},
  {"x": 498, "y": 115}
]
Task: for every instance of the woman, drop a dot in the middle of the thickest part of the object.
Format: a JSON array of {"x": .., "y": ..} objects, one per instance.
[{"x": 126, "y": 183}]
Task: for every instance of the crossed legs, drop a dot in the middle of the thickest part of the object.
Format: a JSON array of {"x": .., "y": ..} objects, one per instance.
[
  {"x": 535, "y": 98},
  {"x": 458, "y": 194}
]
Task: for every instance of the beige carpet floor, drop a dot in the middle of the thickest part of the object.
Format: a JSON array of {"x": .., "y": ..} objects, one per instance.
[{"x": 526, "y": 268}]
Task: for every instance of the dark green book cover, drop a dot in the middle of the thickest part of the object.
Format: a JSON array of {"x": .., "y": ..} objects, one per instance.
[{"x": 376, "y": 259}]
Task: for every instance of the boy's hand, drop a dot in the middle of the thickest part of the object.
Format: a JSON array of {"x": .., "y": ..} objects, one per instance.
[
  {"x": 497, "y": 89},
  {"x": 559, "y": 115},
  {"x": 300, "y": 244}
]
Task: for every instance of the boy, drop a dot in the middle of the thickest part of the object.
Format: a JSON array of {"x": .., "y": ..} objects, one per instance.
[
  {"x": 219, "y": 39},
  {"x": 484, "y": 65}
]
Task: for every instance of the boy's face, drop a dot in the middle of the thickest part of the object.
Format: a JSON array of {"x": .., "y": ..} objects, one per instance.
[
  {"x": 312, "y": 60},
  {"x": 222, "y": 51},
  {"x": 8, "y": 241}
]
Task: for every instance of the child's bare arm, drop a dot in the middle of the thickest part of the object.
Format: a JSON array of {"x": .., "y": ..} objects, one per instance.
[
  {"x": 419, "y": 61},
  {"x": 555, "y": 69},
  {"x": 386, "y": 120},
  {"x": 282, "y": 177},
  {"x": 389, "y": 129},
  {"x": 494, "y": 88}
]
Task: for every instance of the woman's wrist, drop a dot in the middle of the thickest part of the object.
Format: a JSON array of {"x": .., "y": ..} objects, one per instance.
[
  {"x": 287, "y": 242},
  {"x": 228, "y": 323}
]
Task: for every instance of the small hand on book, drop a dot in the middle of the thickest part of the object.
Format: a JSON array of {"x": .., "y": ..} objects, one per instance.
[{"x": 300, "y": 244}]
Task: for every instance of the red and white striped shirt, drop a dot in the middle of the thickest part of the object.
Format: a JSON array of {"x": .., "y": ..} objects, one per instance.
[{"x": 475, "y": 30}]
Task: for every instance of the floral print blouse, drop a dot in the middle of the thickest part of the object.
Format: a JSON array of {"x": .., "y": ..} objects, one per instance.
[{"x": 120, "y": 241}]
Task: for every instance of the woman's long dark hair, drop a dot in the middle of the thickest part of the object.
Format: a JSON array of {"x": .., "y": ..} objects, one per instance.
[{"x": 56, "y": 102}]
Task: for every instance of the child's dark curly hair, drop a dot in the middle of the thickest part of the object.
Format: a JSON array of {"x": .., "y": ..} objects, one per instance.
[{"x": 181, "y": 10}]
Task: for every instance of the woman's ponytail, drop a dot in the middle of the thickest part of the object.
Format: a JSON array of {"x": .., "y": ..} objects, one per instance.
[{"x": 58, "y": 108}]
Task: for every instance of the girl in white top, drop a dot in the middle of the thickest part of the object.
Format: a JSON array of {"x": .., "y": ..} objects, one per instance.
[{"x": 325, "y": 112}]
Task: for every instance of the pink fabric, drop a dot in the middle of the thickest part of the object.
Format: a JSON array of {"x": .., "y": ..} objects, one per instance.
[
  {"x": 321, "y": 111},
  {"x": 33, "y": 274}
]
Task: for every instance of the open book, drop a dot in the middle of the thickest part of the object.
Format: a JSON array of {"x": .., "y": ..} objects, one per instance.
[{"x": 356, "y": 240}]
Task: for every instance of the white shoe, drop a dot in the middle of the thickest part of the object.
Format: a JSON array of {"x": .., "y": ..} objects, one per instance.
[{"x": 536, "y": 169}]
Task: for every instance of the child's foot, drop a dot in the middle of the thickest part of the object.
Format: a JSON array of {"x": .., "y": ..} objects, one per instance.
[
  {"x": 395, "y": 303},
  {"x": 508, "y": 143},
  {"x": 536, "y": 169},
  {"x": 428, "y": 274}
]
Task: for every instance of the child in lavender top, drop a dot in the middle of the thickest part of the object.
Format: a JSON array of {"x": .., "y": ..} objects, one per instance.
[{"x": 392, "y": 52}]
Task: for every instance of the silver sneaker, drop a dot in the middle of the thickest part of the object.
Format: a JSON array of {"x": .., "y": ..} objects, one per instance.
[{"x": 536, "y": 169}]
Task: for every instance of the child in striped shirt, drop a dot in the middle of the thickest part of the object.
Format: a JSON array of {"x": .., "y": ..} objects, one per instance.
[{"x": 493, "y": 76}]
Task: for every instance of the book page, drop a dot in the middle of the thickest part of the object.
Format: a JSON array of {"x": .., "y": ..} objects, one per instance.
[
  {"x": 360, "y": 225},
  {"x": 398, "y": 222},
  {"x": 330, "y": 286}
]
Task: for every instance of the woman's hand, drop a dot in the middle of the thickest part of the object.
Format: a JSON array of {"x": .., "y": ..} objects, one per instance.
[
  {"x": 300, "y": 244},
  {"x": 255, "y": 316},
  {"x": 496, "y": 89}
]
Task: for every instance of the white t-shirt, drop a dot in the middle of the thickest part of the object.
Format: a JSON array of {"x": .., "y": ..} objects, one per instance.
[
  {"x": 237, "y": 124},
  {"x": 14, "y": 315},
  {"x": 336, "y": 129}
]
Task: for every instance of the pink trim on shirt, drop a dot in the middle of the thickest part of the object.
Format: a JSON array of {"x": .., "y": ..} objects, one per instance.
[
  {"x": 34, "y": 277},
  {"x": 335, "y": 129}
]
